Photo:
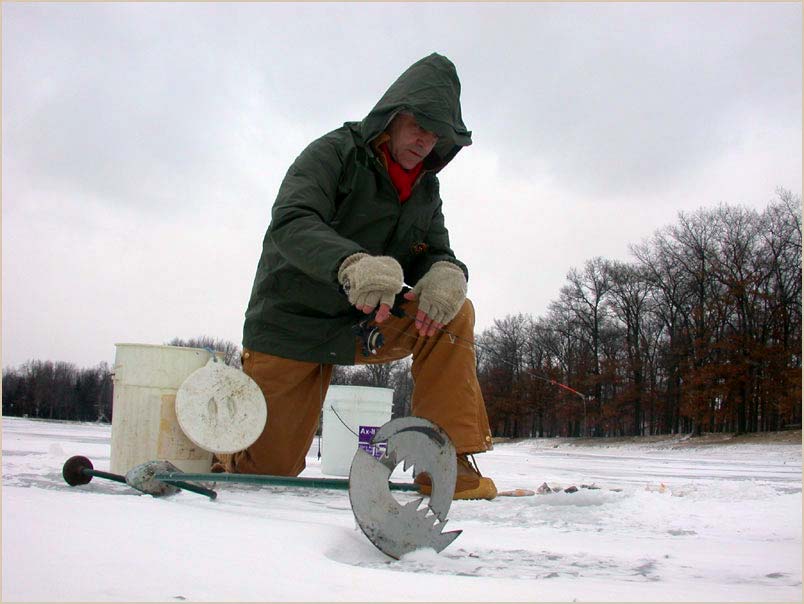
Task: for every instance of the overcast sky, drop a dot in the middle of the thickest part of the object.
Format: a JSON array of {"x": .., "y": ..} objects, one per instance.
[{"x": 143, "y": 144}]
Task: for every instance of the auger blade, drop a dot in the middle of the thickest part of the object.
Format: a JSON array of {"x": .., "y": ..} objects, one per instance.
[{"x": 400, "y": 529}]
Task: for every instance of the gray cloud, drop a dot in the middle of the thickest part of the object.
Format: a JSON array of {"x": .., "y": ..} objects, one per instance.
[{"x": 623, "y": 98}]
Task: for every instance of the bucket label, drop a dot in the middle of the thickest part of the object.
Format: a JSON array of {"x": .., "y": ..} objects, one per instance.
[{"x": 366, "y": 433}]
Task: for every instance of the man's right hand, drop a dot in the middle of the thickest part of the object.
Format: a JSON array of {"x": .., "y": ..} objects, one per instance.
[{"x": 371, "y": 281}]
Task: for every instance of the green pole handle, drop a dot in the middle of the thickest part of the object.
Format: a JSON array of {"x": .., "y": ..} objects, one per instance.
[{"x": 267, "y": 479}]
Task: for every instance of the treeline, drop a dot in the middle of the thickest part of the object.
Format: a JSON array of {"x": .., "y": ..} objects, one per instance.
[
  {"x": 62, "y": 391},
  {"x": 59, "y": 390},
  {"x": 701, "y": 332}
]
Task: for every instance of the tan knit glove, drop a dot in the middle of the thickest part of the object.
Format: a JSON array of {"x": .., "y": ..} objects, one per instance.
[
  {"x": 370, "y": 280},
  {"x": 441, "y": 292}
]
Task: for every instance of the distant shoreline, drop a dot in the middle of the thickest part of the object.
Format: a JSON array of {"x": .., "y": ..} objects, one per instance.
[{"x": 707, "y": 439}]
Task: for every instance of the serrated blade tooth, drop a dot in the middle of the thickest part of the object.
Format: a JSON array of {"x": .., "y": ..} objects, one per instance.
[
  {"x": 413, "y": 505},
  {"x": 445, "y": 539}
]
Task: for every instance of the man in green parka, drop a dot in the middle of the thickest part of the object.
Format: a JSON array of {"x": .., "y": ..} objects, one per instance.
[{"x": 358, "y": 215}]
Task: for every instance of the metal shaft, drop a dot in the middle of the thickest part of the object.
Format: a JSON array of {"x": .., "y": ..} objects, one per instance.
[
  {"x": 266, "y": 479},
  {"x": 190, "y": 487},
  {"x": 102, "y": 474},
  {"x": 178, "y": 483}
]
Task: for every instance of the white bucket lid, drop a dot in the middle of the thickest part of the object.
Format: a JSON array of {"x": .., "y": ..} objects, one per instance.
[{"x": 220, "y": 408}]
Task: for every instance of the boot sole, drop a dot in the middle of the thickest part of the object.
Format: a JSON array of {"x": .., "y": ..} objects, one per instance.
[{"x": 486, "y": 489}]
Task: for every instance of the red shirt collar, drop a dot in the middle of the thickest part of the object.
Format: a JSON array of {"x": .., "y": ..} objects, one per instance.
[{"x": 403, "y": 179}]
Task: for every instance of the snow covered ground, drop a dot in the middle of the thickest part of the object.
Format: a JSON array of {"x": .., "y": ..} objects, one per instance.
[{"x": 709, "y": 523}]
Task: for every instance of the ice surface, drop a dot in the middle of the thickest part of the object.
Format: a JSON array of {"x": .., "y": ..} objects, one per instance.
[{"x": 684, "y": 524}]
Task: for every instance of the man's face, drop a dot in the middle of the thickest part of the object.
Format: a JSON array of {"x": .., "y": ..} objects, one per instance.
[{"x": 410, "y": 143}]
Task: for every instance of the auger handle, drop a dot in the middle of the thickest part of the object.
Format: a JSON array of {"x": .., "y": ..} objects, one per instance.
[{"x": 79, "y": 470}]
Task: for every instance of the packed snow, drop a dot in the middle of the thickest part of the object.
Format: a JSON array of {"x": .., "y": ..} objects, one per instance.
[{"x": 670, "y": 522}]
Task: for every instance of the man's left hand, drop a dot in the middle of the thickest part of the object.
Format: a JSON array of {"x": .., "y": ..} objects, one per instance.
[
  {"x": 441, "y": 294},
  {"x": 425, "y": 325}
]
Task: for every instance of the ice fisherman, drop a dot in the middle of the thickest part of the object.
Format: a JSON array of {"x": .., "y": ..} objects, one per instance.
[{"x": 357, "y": 216}]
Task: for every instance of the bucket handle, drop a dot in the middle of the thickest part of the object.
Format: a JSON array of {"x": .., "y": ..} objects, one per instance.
[{"x": 340, "y": 419}]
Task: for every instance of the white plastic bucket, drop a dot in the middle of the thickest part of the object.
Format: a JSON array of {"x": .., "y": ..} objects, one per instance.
[
  {"x": 144, "y": 424},
  {"x": 363, "y": 410}
]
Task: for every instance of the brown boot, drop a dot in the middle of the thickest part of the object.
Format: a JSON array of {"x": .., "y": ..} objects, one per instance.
[
  {"x": 220, "y": 463},
  {"x": 469, "y": 484}
]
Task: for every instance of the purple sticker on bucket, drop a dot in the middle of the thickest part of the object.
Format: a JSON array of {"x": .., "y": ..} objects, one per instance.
[{"x": 365, "y": 434}]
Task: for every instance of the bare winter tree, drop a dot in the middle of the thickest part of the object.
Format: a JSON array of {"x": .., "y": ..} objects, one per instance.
[
  {"x": 585, "y": 295},
  {"x": 394, "y": 375},
  {"x": 628, "y": 301},
  {"x": 402, "y": 383},
  {"x": 231, "y": 351},
  {"x": 503, "y": 362},
  {"x": 670, "y": 303},
  {"x": 781, "y": 249},
  {"x": 375, "y": 374}
]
